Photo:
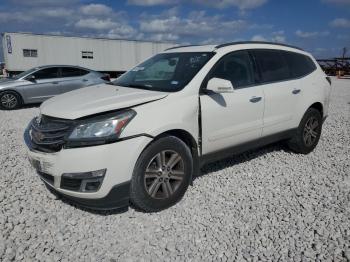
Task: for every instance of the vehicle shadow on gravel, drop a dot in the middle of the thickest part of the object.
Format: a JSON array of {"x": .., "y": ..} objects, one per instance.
[
  {"x": 241, "y": 158},
  {"x": 28, "y": 106}
]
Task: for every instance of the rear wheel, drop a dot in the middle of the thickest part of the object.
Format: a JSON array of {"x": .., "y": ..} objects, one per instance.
[
  {"x": 308, "y": 133},
  {"x": 161, "y": 175},
  {"x": 9, "y": 100}
]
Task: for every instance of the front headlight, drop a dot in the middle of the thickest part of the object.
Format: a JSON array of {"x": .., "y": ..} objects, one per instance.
[{"x": 102, "y": 128}]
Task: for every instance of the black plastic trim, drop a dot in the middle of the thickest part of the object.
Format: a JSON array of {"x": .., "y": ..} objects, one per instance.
[
  {"x": 46, "y": 177},
  {"x": 257, "y": 42},
  {"x": 180, "y": 46},
  {"x": 200, "y": 125},
  {"x": 324, "y": 119},
  {"x": 221, "y": 154},
  {"x": 117, "y": 198}
]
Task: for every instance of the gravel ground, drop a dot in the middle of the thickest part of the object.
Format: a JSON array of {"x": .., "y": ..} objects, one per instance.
[{"x": 267, "y": 204}]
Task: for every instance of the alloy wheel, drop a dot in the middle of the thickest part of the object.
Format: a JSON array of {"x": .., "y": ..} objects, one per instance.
[
  {"x": 164, "y": 174},
  {"x": 9, "y": 101},
  {"x": 310, "y": 131}
]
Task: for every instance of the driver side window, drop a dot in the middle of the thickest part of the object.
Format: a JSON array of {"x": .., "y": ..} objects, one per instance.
[
  {"x": 46, "y": 73},
  {"x": 236, "y": 67}
]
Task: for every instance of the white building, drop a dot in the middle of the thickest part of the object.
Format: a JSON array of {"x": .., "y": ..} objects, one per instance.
[{"x": 23, "y": 51}]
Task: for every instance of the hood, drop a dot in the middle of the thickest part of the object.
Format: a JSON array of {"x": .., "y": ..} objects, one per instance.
[
  {"x": 8, "y": 82},
  {"x": 96, "y": 99},
  {"x": 4, "y": 80}
]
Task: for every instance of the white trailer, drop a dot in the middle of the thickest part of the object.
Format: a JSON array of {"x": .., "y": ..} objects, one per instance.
[{"x": 23, "y": 51}]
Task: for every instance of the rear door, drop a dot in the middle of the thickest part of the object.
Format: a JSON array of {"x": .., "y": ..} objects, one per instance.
[
  {"x": 44, "y": 85},
  {"x": 280, "y": 90},
  {"x": 230, "y": 119},
  {"x": 72, "y": 78}
]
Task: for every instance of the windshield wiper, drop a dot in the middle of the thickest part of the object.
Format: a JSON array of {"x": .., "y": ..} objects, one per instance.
[
  {"x": 139, "y": 86},
  {"x": 110, "y": 83},
  {"x": 130, "y": 85}
]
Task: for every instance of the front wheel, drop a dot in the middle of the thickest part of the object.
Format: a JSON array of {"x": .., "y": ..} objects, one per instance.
[
  {"x": 161, "y": 175},
  {"x": 9, "y": 100},
  {"x": 308, "y": 133}
]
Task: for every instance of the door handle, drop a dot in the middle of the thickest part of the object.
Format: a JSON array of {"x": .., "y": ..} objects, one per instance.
[
  {"x": 255, "y": 99},
  {"x": 85, "y": 80},
  {"x": 55, "y": 83},
  {"x": 296, "y": 91}
]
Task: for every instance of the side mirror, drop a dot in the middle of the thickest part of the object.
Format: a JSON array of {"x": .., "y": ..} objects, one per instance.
[
  {"x": 31, "y": 78},
  {"x": 219, "y": 85}
]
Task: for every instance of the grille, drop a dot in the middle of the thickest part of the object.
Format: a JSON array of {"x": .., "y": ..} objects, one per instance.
[
  {"x": 70, "y": 183},
  {"x": 48, "y": 178},
  {"x": 48, "y": 134}
]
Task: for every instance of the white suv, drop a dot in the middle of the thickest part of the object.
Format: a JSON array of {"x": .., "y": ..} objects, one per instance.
[{"x": 142, "y": 138}]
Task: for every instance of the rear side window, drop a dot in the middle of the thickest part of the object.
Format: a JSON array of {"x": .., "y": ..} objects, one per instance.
[
  {"x": 272, "y": 64},
  {"x": 300, "y": 65},
  {"x": 46, "y": 73},
  {"x": 72, "y": 72},
  {"x": 236, "y": 67}
]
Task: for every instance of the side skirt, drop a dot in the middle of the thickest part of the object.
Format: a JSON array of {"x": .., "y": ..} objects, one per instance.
[{"x": 235, "y": 150}]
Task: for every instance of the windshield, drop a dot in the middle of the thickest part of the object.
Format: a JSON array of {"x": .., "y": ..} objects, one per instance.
[
  {"x": 167, "y": 72},
  {"x": 25, "y": 73}
]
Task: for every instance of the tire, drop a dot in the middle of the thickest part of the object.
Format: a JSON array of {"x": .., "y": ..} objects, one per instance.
[
  {"x": 304, "y": 140},
  {"x": 149, "y": 190},
  {"x": 10, "y": 100}
]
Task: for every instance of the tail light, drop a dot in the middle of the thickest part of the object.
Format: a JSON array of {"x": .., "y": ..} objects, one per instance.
[{"x": 106, "y": 77}]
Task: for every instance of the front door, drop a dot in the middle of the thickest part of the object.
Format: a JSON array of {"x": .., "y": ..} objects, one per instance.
[{"x": 230, "y": 119}]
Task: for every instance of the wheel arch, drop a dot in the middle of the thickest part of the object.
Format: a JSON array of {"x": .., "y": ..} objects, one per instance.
[
  {"x": 14, "y": 91},
  {"x": 189, "y": 140},
  {"x": 20, "y": 96},
  {"x": 318, "y": 106},
  {"x": 183, "y": 135}
]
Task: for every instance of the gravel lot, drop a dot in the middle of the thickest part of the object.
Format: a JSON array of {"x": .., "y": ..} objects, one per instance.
[{"x": 267, "y": 204}]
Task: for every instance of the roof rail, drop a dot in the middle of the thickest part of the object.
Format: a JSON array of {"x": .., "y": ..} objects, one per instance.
[
  {"x": 180, "y": 46},
  {"x": 256, "y": 42}
]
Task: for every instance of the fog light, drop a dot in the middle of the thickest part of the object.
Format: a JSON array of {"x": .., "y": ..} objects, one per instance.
[
  {"x": 84, "y": 181},
  {"x": 92, "y": 186},
  {"x": 86, "y": 175}
]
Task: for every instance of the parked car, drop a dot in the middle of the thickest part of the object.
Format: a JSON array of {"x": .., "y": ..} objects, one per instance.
[
  {"x": 40, "y": 83},
  {"x": 143, "y": 137}
]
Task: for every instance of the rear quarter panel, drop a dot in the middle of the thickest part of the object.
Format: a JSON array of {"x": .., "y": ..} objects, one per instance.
[{"x": 315, "y": 89}]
